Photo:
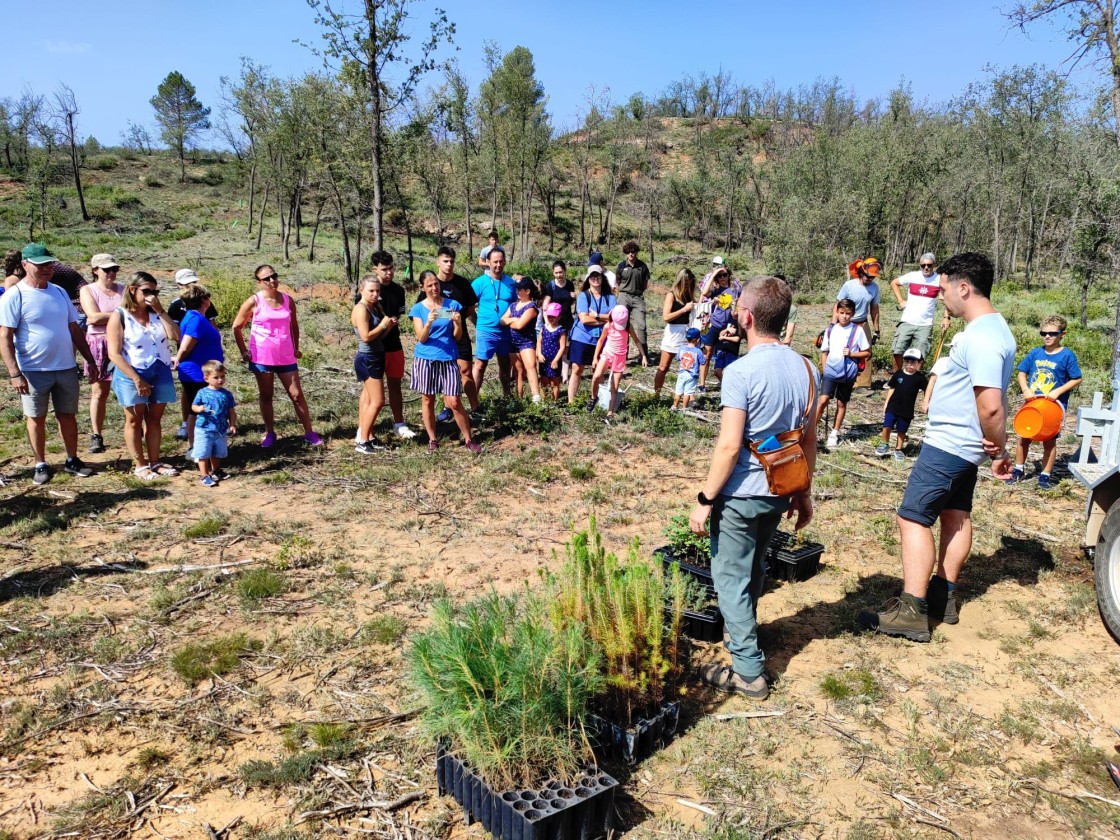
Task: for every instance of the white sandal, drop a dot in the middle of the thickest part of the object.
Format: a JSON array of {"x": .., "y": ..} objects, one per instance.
[
  {"x": 145, "y": 473},
  {"x": 164, "y": 470}
]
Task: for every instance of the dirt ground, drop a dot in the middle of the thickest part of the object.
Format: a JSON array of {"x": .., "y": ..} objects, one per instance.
[{"x": 997, "y": 729}]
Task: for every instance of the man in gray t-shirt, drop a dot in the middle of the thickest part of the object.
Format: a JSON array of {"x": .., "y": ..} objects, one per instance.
[
  {"x": 767, "y": 392},
  {"x": 967, "y": 425}
]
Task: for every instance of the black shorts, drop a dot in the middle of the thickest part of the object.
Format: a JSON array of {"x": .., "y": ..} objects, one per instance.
[
  {"x": 580, "y": 353},
  {"x": 835, "y": 388},
  {"x": 191, "y": 389},
  {"x": 938, "y": 481}
]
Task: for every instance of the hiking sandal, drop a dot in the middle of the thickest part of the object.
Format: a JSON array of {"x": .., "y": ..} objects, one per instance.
[
  {"x": 164, "y": 470},
  {"x": 145, "y": 473}
]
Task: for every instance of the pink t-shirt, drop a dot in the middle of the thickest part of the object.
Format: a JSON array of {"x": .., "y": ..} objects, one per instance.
[
  {"x": 618, "y": 340},
  {"x": 270, "y": 337},
  {"x": 105, "y": 302}
]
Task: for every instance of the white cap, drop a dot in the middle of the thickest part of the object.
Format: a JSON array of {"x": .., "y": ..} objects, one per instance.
[
  {"x": 185, "y": 276},
  {"x": 593, "y": 269},
  {"x": 717, "y": 260}
]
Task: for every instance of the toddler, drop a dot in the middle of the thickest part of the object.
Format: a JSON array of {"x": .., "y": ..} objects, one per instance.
[
  {"x": 902, "y": 395},
  {"x": 216, "y": 419},
  {"x": 552, "y": 345},
  {"x": 689, "y": 360}
]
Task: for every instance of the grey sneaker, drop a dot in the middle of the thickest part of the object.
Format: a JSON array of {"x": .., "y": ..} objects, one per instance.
[
  {"x": 942, "y": 604},
  {"x": 903, "y": 616},
  {"x": 882, "y": 450},
  {"x": 725, "y": 678},
  {"x": 96, "y": 444},
  {"x": 898, "y": 456},
  {"x": 42, "y": 474}
]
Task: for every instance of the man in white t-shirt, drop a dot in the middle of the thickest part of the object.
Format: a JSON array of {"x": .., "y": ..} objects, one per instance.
[
  {"x": 967, "y": 425},
  {"x": 39, "y": 333},
  {"x": 915, "y": 328}
]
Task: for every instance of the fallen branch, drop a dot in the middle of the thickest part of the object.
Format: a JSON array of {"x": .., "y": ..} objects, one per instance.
[
  {"x": 704, "y": 809},
  {"x": 737, "y": 715},
  {"x": 1084, "y": 794},
  {"x": 366, "y": 805},
  {"x": 164, "y": 570},
  {"x": 1030, "y": 533},
  {"x": 910, "y": 803}
]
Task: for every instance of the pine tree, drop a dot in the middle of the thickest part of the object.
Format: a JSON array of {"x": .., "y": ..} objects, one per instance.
[{"x": 180, "y": 115}]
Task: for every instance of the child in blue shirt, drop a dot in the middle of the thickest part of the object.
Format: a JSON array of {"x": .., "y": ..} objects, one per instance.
[
  {"x": 216, "y": 419},
  {"x": 1049, "y": 371},
  {"x": 689, "y": 360}
]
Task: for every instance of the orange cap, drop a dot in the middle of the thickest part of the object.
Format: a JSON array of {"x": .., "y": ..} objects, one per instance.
[{"x": 871, "y": 267}]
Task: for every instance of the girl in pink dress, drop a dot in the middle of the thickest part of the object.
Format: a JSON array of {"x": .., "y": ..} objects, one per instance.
[
  {"x": 610, "y": 354},
  {"x": 273, "y": 350}
]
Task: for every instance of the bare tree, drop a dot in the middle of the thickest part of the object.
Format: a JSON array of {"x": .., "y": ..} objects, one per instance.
[{"x": 66, "y": 112}]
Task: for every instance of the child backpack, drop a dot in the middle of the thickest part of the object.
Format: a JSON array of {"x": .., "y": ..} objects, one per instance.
[{"x": 852, "y": 367}]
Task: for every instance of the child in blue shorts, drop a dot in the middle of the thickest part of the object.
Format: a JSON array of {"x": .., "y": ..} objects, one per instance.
[
  {"x": 217, "y": 419},
  {"x": 902, "y": 396},
  {"x": 689, "y": 360}
]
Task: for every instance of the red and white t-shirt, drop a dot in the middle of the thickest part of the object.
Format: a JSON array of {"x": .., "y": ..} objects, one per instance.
[{"x": 921, "y": 298}]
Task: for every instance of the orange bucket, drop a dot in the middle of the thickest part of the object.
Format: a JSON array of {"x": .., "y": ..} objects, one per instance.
[{"x": 1039, "y": 419}]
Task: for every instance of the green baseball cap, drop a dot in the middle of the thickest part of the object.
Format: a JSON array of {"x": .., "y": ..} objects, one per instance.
[{"x": 37, "y": 253}]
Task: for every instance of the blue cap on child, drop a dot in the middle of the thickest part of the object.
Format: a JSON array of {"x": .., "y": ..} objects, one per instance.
[{"x": 691, "y": 334}]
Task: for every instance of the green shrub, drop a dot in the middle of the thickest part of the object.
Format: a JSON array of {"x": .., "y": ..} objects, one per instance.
[
  {"x": 685, "y": 545},
  {"x": 209, "y": 525},
  {"x": 152, "y": 181},
  {"x": 506, "y": 690},
  {"x": 383, "y": 630},
  {"x": 258, "y": 584},
  {"x": 290, "y": 771},
  {"x": 102, "y": 163},
  {"x": 197, "y": 660}
]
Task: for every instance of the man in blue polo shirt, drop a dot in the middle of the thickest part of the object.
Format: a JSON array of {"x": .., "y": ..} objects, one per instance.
[
  {"x": 495, "y": 291},
  {"x": 967, "y": 425}
]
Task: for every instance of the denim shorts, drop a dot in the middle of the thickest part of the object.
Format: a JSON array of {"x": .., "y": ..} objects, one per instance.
[
  {"x": 158, "y": 376},
  {"x": 255, "y": 367},
  {"x": 938, "y": 481},
  {"x": 209, "y": 445},
  {"x": 489, "y": 344}
]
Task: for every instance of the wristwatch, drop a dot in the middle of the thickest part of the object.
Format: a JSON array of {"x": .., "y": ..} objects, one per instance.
[{"x": 704, "y": 500}]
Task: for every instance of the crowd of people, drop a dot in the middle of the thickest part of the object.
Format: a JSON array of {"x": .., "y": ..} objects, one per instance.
[{"x": 545, "y": 336}]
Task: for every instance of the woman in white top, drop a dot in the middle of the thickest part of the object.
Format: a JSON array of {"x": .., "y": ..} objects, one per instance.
[
  {"x": 138, "y": 334},
  {"x": 99, "y": 300}
]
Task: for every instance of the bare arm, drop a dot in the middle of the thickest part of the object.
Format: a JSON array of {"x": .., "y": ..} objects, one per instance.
[
  {"x": 1024, "y": 386},
  {"x": 875, "y": 318},
  {"x": 1065, "y": 389},
  {"x": 791, "y": 328},
  {"x": 244, "y": 316},
  {"x": 114, "y": 346},
  {"x": 295, "y": 328},
  {"x": 8, "y": 352},
  {"x": 733, "y": 422},
  {"x": 993, "y": 426},
  {"x": 94, "y": 316},
  {"x": 896, "y": 287}
]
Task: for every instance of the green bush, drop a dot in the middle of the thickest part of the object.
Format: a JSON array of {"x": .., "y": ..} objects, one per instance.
[
  {"x": 505, "y": 689},
  {"x": 258, "y": 584},
  {"x": 197, "y": 660},
  {"x": 102, "y": 163},
  {"x": 152, "y": 181},
  {"x": 686, "y": 546}
]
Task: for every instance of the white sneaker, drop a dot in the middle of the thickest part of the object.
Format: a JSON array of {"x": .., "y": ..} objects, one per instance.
[
  {"x": 536, "y": 398},
  {"x": 403, "y": 431},
  {"x": 833, "y": 439}
]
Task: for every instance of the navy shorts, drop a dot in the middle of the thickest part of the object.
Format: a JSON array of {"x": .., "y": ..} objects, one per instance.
[
  {"x": 254, "y": 367},
  {"x": 581, "y": 353},
  {"x": 836, "y": 388},
  {"x": 369, "y": 366},
  {"x": 938, "y": 481},
  {"x": 899, "y": 424}
]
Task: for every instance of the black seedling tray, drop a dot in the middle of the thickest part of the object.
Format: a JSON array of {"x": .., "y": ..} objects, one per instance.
[
  {"x": 703, "y": 626},
  {"x": 582, "y": 811},
  {"x": 787, "y": 561},
  {"x": 631, "y": 744},
  {"x": 701, "y": 574}
]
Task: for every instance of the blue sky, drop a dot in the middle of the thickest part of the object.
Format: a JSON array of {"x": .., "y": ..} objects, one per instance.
[{"x": 114, "y": 53}]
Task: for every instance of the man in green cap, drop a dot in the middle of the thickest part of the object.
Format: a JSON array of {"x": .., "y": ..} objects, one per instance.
[{"x": 39, "y": 333}]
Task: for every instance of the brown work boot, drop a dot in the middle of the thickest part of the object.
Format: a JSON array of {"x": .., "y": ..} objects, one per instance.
[
  {"x": 942, "y": 603},
  {"x": 903, "y": 616}
]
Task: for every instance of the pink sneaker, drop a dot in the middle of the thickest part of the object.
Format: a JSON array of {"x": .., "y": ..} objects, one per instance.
[
  {"x": 473, "y": 448},
  {"x": 313, "y": 439},
  {"x": 268, "y": 441}
]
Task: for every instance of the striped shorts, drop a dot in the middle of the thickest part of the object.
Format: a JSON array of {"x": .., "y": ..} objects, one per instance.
[{"x": 432, "y": 377}]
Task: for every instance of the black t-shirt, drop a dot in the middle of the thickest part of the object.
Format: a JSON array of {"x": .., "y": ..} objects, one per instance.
[
  {"x": 69, "y": 280},
  {"x": 459, "y": 289},
  {"x": 392, "y": 301},
  {"x": 566, "y": 297},
  {"x": 905, "y": 388},
  {"x": 176, "y": 310}
]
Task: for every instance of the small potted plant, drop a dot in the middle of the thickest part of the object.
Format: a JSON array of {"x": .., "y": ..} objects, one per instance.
[
  {"x": 792, "y": 557},
  {"x": 632, "y": 611},
  {"x": 506, "y": 694}
]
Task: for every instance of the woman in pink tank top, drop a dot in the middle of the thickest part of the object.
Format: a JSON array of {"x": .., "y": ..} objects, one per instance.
[
  {"x": 272, "y": 351},
  {"x": 99, "y": 301}
]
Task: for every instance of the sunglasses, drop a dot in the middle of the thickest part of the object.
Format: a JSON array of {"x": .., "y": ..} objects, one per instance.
[
  {"x": 269, "y": 278},
  {"x": 112, "y": 269},
  {"x": 927, "y": 265},
  {"x": 1050, "y": 334},
  {"x": 150, "y": 292}
]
